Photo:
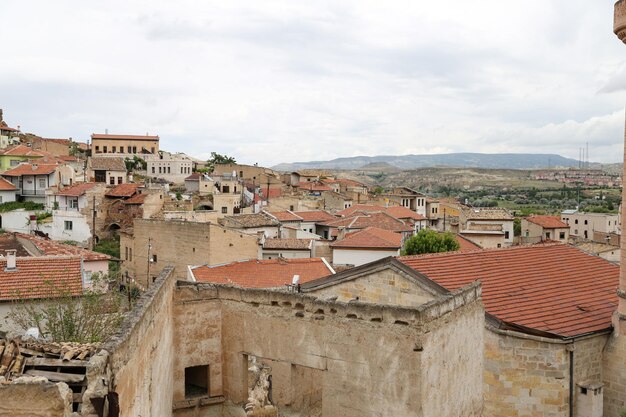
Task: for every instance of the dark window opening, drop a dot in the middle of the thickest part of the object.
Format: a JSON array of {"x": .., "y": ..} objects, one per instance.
[{"x": 197, "y": 381}]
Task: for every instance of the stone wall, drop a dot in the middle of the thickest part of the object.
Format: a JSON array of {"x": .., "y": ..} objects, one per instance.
[
  {"x": 614, "y": 367},
  {"x": 35, "y": 397},
  {"x": 142, "y": 353},
  {"x": 365, "y": 359}
]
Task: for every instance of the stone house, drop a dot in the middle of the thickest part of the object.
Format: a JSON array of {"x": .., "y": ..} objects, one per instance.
[
  {"x": 540, "y": 228},
  {"x": 34, "y": 181},
  {"x": 109, "y": 170},
  {"x": 172, "y": 167},
  {"x": 335, "y": 201},
  {"x": 404, "y": 197},
  {"x": 487, "y": 227},
  {"x": 126, "y": 202},
  {"x": 199, "y": 183},
  {"x": 253, "y": 224},
  {"x": 153, "y": 244},
  {"x": 124, "y": 145},
  {"x": 57, "y": 147},
  {"x": 311, "y": 218},
  {"x": 288, "y": 248},
  {"x": 584, "y": 225},
  {"x": 333, "y": 229}
]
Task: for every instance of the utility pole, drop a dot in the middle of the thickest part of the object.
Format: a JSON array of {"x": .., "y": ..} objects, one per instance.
[
  {"x": 149, "y": 260},
  {"x": 93, "y": 223},
  {"x": 268, "y": 191}
]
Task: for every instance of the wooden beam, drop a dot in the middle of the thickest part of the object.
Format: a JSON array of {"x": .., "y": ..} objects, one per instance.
[{"x": 57, "y": 376}]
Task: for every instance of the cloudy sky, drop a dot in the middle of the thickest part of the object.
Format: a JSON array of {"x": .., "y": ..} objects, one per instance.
[{"x": 282, "y": 81}]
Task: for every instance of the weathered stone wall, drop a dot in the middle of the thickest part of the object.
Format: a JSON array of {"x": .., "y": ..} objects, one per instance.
[
  {"x": 35, "y": 397},
  {"x": 368, "y": 359},
  {"x": 142, "y": 353},
  {"x": 386, "y": 286},
  {"x": 614, "y": 373}
]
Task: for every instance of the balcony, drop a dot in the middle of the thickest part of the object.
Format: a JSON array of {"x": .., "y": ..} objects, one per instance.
[{"x": 33, "y": 192}]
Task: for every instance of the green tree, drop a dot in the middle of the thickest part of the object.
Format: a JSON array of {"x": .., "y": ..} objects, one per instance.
[
  {"x": 429, "y": 241},
  {"x": 217, "y": 159}
]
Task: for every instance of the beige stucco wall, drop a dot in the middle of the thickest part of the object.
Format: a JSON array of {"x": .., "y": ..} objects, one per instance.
[
  {"x": 110, "y": 143},
  {"x": 356, "y": 257},
  {"x": 485, "y": 241}
]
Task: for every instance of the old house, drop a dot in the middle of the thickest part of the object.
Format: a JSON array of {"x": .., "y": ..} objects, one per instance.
[
  {"x": 109, "y": 170},
  {"x": 124, "y": 145},
  {"x": 366, "y": 245},
  {"x": 14, "y": 155},
  {"x": 404, "y": 214},
  {"x": 153, "y": 244},
  {"x": 288, "y": 248},
  {"x": 487, "y": 227},
  {"x": 172, "y": 167},
  {"x": 253, "y": 224},
  {"x": 539, "y": 228},
  {"x": 126, "y": 202},
  {"x": 7, "y": 191},
  {"x": 584, "y": 225},
  {"x": 269, "y": 273},
  {"x": 332, "y": 229},
  {"x": 34, "y": 181}
]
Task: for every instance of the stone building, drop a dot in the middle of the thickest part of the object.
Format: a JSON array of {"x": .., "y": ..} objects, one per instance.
[
  {"x": 584, "y": 225},
  {"x": 544, "y": 228},
  {"x": 124, "y": 145},
  {"x": 172, "y": 167}
]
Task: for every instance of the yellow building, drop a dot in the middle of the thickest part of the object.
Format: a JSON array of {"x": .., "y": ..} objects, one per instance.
[{"x": 124, "y": 144}]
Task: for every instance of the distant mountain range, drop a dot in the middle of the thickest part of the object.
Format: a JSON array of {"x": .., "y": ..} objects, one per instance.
[{"x": 473, "y": 160}]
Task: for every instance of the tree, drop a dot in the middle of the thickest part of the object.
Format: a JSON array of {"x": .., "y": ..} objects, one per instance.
[
  {"x": 62, "y": 317},
  {"x": 429, "y": 241},
  {"x": 217, "y": 159}
]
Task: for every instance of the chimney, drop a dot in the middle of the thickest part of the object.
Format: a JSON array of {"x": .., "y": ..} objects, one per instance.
[
  {"x": 619, "y": 27},
  {"x": 11, "y": 254}
]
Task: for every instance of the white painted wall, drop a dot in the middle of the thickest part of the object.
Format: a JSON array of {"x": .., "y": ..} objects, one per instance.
[
  {"x": 80, "y": 232},
  {"x": 358, "y": 257},
  {"x": 286, "y": 253},
  {"x": 16, "y": 220},
  {"x": 6, "y": 196}
]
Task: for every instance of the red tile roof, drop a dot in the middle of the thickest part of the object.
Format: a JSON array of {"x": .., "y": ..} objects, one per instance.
[
  {"x": 548, "y": 222},
  {"x": 123, "y": 137},
  {"x": 30, "y": 169},
  {"x": 23, "y": 150},
  {"x": 6, "y": 185},
  {"x": 194, "y": 177},
  {"x": 123, "y": 190},
  {"x": 34, "y": 277},
  {"x": 286, "y": 216},
  {"x": 136, "y": 199},
  {"x": 360, "y": 207},
  {"x": 274, "y": 192},
  {"x": 362, "y": 221},
  {"x": 263, "y": 274},
  {"x": 77, "y": 190},
  {"x": 466, "y": 245},
  {"x": 7, "y": 128},
  {"x": 555, "y": 288},
  {"x": 398, "y": 212},
  {"x": 315, "y": 215},
  {"x": 52, "y": 247},
  {"x": 370, "y": 238}
]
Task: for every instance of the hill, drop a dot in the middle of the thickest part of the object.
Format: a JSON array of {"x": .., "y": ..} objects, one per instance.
[{"x": 459, "y": 160}]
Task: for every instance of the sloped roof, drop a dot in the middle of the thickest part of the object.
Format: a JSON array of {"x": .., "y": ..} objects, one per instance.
[
  {"x": 370, "y": 238},
  {"x": 548, "y": 222},
  {"x": 123, "y": 190},
  {"x": 30, "y": 169},
  {"x": 269, "y": 273},
  {"x": 286, "y": 216},
  {"x": 23, "y": 150},
  {"x": 77, "y": 190},
  {"x": 194, "y": 177},
  {"x": 34, "y": 277},
  {"x": 292, "y": 244},
  {"x": 136, "y": 199},
  {"x": 360, "y": 207},
  {"x": 315, "y": 215},
  {"x": 250, "y": 220},
  {"x": 312, "y": 186},
  {"x": 55, "y": 248},
  {"x": 554, "y": 289},
  {"x": 398, "y": 212},
  {"x": 466, "y": 245},
  {"x": 107, "y": 163},
  {"x": 377, "y": 219},
  {"x": 487, "y": 213},
  {"x": 6, "y": 185}
]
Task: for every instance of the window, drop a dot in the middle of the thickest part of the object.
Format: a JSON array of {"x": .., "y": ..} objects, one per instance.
[
  {"x": 160, "y": 170},
  {"x": 576, "y": 231},
  {"x": 121, "y": 149},
  {"x": 126, "y": 253},
  {"x": 134, "y": 149},
  {"x": 152, "y": 149},
  {"x": 68, "y": 225},
  {"x": 291, "y": 208},
  {"x": 113, "y": 149},
  {"x": 120, "y": 180},
  {"x": 104, "y": 149},
  {"x": 168, "y": 170},
  {"x": 241, "y": 174},
  {"x": 112, "y": 180},
  {"x": 130, "y": 150},
  {"x": 225, "y": 189},
  {"x": 547, "y": 235},
  {"x": 154, "y": 258},
  {"x": 130, "y": 254},
  {"x": 585, "y": 221},
  {"x": 506, "y": 234},
  {"x": 197, "y": 381},
  {"x": 153, "y": 170},
  {"x": 97, "y": 149},
  {"x": 42, "y": 183},
  {"x": 224, "y": 210},
  {"x": 14, "y": 162},
  {"x": 561, "y": 235},
  {"x": 576, "y": 221},
  {"x": 74, "y": 203}
]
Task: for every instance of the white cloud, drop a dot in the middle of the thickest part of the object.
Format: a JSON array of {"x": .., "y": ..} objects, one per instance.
[{"x": 279, "y": 81}]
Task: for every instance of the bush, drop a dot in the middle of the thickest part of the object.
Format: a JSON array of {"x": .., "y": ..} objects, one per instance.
[
  {"x": 429, "y": 241},
  {"x": 16, "y": 205}
]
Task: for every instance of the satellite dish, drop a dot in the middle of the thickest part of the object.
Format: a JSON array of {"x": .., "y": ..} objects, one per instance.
[{"x": 295, "y": 280}]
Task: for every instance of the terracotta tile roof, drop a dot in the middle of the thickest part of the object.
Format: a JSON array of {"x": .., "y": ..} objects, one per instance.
[
  {"x": 30, "y": 169},
  {"x": 315, "y": 215},
  {"x": 400, "y": 212},
  {"x": 548, "y": 222},
  {"x": 77, "y": 190},
  {"x": 250, "y": 220},
  {"x": 293, "y": 244},
  {"x": 8, "y": 241},
  {"x": 360, "y": 207},
  {"x": 123, "y": 190},
  {"x": 107, "y": 163},
  {"x": 194, "y": 177},
  {"x": 370, "y": 238},
  {"x": 466, "y": 245},
  {"x": 7, "y": 128},
  {"x": 270, "y": 273},
  {"x": 66, "y": 142},
  {"x": 6, "y": 185},
  {"x": 377, "y": 219},
  {"x": 54, "y": 248},
  {"x": 486, "y": 213},
  {"x": 136, "y": 199},
  {"x": 286, "y": 216},
  {"x": 274, "y": 192},
  {"x": 123, "y": 137},
  {"x": 349, "y": 183},
  {"x": 555, "y": 288},
  {"x": 34, "y": 277},
  {"x": 23, "y": 150},
  {"x": 312, "y": 186},
  {"x": 67, "y": 158}
]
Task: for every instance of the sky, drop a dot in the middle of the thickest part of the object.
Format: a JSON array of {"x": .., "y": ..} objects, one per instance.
[{"x": 284, "y": 81}]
